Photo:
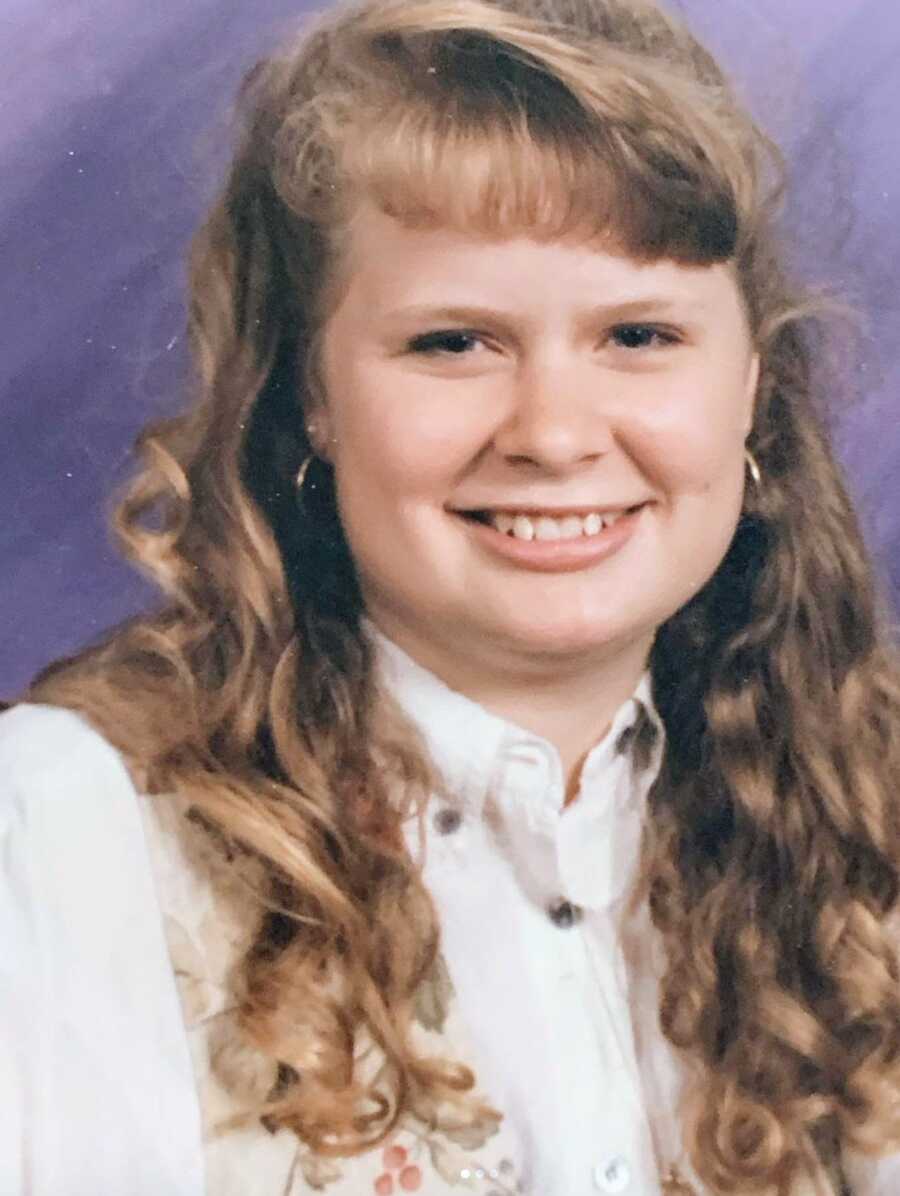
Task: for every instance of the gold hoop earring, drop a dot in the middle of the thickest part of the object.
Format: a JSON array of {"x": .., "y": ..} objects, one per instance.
[
  {"x": 303, "y": 470},
  {"x": 300, "y": 481},
  {"x": 753, "y": 468}
]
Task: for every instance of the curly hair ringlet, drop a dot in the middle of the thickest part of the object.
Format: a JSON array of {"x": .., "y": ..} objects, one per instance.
[{"x": 770, "y": 855}]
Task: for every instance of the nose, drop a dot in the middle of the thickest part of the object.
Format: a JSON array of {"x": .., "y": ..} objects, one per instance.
[{"x": 556, "y": 419}]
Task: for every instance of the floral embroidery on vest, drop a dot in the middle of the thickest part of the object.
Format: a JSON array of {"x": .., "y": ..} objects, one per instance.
[
  {"x": 463, "y": 1155},
  {"x": 411, "y": 1156}
]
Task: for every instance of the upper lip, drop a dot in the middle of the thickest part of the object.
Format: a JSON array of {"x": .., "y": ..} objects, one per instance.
[{"x": 552, "y": 512}]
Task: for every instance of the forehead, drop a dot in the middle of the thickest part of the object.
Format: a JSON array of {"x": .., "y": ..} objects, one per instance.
[{"x": 386, "y": 264}]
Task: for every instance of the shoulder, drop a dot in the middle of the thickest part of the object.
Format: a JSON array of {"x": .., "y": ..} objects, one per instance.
[
  {"x": 70, "y": 822},
  {"x": 90, "y": 1026},
  {"x": 68, "y": 807},
  {"x": 48, "y": 754}
]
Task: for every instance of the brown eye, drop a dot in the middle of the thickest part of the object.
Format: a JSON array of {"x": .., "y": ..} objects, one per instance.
[
  {"x": 454, "y": 342},
  {"x": 642, "y": 336}
]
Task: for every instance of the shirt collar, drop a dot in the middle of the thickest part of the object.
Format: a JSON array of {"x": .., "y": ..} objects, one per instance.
[
  {"x": 510, "y": 780},
  {"x": 466, "y": 742},
  {"x": 463, "y": 739}
]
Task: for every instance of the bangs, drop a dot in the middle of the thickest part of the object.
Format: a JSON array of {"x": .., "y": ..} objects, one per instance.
[{"x": 482, "y": 141}]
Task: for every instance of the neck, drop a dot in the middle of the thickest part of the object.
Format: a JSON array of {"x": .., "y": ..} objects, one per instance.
[{"x": 569, "y": 701}]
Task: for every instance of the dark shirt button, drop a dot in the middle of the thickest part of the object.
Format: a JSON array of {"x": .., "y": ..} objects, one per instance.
[
  {"x": 564, "y": 914},
  {"x": 447, "y": 820}
]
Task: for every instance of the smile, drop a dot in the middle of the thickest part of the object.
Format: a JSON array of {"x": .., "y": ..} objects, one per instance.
[
  {"x": 532, "y": 526},
  {"x": 559, "y": 542}
]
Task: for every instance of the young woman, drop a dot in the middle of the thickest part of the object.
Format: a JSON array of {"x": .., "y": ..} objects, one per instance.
[{"x": 503, "y": 797}]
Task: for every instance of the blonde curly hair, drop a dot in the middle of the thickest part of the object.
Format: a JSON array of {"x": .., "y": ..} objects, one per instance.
[{"x": 771, "y": 850}]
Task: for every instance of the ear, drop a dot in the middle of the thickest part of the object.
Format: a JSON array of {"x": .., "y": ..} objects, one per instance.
[
  {"x": 319, "y": 433},
  {"x": 750, "y": 393}
]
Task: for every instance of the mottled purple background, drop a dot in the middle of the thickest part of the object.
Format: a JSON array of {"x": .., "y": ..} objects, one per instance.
[{"x": 113, "y": 131}]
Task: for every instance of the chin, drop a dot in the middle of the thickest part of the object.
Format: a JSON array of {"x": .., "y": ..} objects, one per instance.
[{"x": 565, "y": 639}]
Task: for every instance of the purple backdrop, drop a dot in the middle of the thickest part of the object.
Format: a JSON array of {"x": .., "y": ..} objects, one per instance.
[{"x": 112, "y": 133}]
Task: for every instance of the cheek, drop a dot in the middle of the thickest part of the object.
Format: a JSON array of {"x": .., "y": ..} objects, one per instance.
[
  {"x": 402, "y": 436},
  {"x": 692, "y": 441}
]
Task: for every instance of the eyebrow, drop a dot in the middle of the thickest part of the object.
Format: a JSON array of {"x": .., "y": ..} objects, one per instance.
[{"x": 658, "y": 306}]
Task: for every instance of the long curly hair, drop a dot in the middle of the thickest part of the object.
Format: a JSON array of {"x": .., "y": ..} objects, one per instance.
[{"x": 771, "y": 850}]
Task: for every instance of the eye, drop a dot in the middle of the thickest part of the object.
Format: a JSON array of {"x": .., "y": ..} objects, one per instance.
[
  {"x": 643, "y": 336},
  {"x": 456, "y": 342}
]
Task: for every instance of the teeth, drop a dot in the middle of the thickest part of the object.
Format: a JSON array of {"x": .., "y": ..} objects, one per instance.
[
  {"x": 544, "y": 527},
  {"x": 547, "y": 529},
  {"x": 572, "y": 526},
  {"x": 523, "y": 528}
]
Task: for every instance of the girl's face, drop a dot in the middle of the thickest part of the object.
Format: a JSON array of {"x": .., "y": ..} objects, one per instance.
[{"x": 538, "y": 446}]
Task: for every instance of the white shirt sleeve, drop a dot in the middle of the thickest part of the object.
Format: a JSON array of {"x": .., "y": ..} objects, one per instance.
[
  {"x": 874, "y": 1177},
  {"x": 96, "y": 1088}
]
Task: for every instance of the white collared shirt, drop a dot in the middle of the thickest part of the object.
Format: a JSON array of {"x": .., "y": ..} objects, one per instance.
[
  {"x": 529, "y": 892},
  {"x": 98, "y": 1080}
]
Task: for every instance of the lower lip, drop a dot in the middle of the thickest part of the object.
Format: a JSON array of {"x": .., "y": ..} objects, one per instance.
[{"x": 557, "y": 556}]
